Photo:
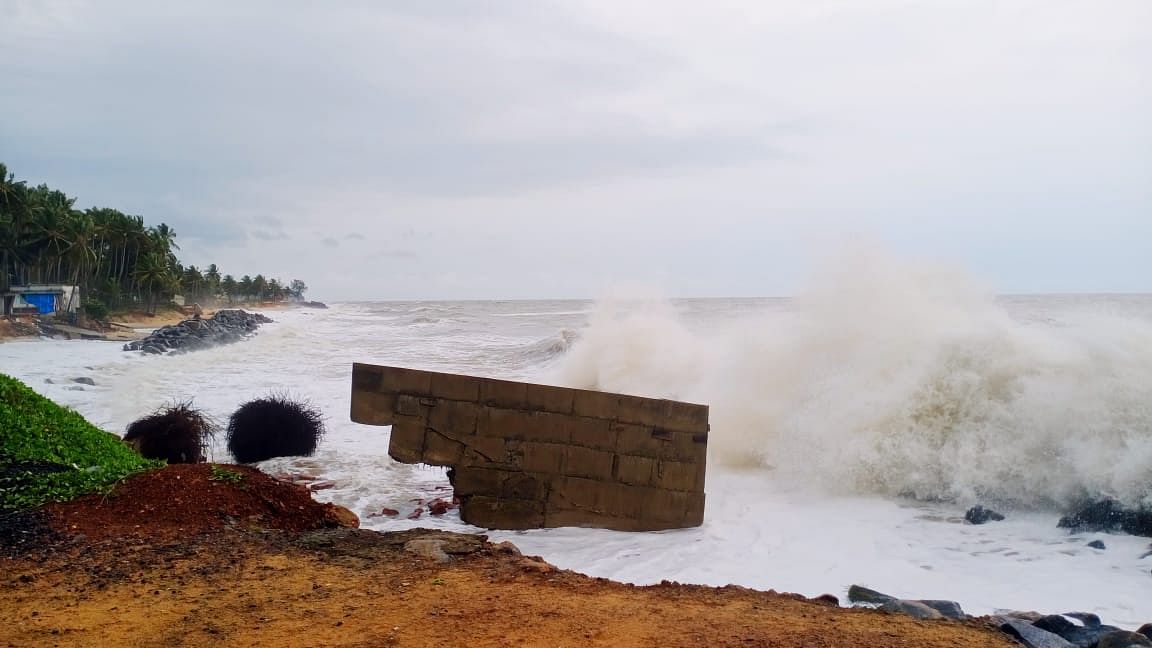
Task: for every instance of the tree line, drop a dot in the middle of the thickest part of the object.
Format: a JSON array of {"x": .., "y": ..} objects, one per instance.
[{"x": 117, "y": 260}]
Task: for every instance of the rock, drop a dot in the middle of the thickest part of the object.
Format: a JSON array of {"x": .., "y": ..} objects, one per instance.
[
  {"x": 827, "y": 599},
  {"x": 1145, "y": 630},
  {"x": 1029, "y": 635},
  {"x": 914, "y": 609},
  {"x": 861, "y": 594},
  {"x": 1109, "y": 515},
  {"x": 1123, "y": 639},
  {"x": 338, "y": 516},
  {"x": 1147, "y": 553},
  {"x": 225, "y": 327},
  {"x": 432, "y": 548},
  {"x": 84, "y": 381},
  {"x": 979, "y": 515},
  {"x": 1096, "y": 544},
  {"x": 75, "y": 388},
  {"x": 950, "y": 609},
  {"x": 1087, "y": 618},
  {"x": 1028, "y": 616},
  {"x": 535, "y": 564},
  {"x": 507, "y": 548},
  {"x": 1084, "y": 636},
  {"x": 48, "y": 381}
]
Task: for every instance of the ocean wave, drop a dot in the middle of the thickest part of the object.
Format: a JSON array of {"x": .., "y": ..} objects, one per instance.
[
  {"x": 547, "y": 349},
  {"x": 900, "y": 379}
]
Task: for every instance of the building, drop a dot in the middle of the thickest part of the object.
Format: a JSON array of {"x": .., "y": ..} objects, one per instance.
[{"x": 41, "y": 299}]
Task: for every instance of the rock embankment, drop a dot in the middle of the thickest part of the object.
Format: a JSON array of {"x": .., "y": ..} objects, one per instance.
[
  {"x": 225, "y": 327},
  {"x": 1030, "y": 629}
]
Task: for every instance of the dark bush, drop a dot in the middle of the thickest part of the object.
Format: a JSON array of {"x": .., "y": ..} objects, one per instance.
[
  {"x": 95, "y": 309},
  {"x": 176, "y": 433},
  {"x": 276, "y": 426}
]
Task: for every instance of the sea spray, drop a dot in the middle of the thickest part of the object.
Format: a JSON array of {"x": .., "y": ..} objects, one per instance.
[{"x": 899, "y": 379}]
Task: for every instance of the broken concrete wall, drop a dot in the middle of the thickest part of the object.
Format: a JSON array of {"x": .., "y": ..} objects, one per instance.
[{"x": 528, "y": 456}]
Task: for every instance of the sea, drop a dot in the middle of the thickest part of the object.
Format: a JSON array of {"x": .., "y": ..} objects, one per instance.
[{"x": 852, "y": 426}]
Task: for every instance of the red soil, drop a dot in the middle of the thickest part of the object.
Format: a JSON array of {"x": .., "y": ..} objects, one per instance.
[{"x": 189, "y": 499}]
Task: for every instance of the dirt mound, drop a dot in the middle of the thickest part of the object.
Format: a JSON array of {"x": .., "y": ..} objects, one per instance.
[
  {"x": 362, "y": 589},
  {"x": 183, "y": 500}
]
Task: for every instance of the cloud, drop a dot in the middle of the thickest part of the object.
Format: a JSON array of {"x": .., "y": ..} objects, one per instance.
[
  {"x": 264, "y": 235},
  {"x": 589, "y": 141}
]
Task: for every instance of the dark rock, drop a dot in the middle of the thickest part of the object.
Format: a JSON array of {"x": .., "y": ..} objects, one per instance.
[
  {"x": 48, "y": 381},
  {"x": 827, "y": 599},
  {"x": 1096, "y": 544},
  {"x": 225, "y": 327},
  {"x": 1109, "y": 515},
  {"x": 979, "y": 515},
  {"x": 84, "y": 381},
  {"x": 1147, "y": 553},
  {"x": 1031, "y": 636},
  {"x": 914, "y": 609},
  {"x": 1123, "y": 639},
  {"x": 1087, "y": 618},
  {"x": 950, "y": 609},
  {"x": 1145, "y": 630},
  {"x": 860, "y": 594},
  {"x": 1084, "y": 636}
]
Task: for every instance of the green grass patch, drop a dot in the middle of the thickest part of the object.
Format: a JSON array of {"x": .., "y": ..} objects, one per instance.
[
  {"x": 224, "y": 475},
  {"x": 49, "y": 453}
]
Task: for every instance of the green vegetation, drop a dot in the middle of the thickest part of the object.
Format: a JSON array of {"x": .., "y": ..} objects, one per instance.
[
  {"x": 114, "y": 258},
  {"x": 51, "y": 454},
  {"x": 224, "y": 475}
]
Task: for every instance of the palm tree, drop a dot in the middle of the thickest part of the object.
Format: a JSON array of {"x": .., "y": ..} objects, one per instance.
[
  {"x": 228, "y": 285},
  {"x": 154, "y": 275},
  {"x": 212, "y": 281},
  {"x": 245, "y": 287},
  {"x": 13, "y": 219}
]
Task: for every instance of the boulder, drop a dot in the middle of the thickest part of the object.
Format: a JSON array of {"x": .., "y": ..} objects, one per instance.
[
  {"x": 1123, "y": 639},
  {"x": 1109, "y": 515},
  {"x": 84, "y": 381},
  {"x": 1081, "y": 636},
  {"x": 861, "y": 594},
  {"x": 950, "y": 609},
  {"x": 980, "y": 515},
  {"x": 1029, "y": 635},
  {"x": 338, "y": 516},
  {"x": 914, "y": 609},
  {"x": 225, "y": 327},
  {"x": 1096, "y": 544}
]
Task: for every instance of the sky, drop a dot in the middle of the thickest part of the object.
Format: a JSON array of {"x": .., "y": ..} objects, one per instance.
[{"x": 510, "y": 149}]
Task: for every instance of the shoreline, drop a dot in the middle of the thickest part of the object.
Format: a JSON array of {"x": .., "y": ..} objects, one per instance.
[
  {"x": 179, "y": 558},
  {"x": 134, "y": 325}
]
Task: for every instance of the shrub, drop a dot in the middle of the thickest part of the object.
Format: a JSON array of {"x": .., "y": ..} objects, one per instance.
[
  {"x": 95, "y": 309},
  {"x": 177, "y": 433},
  {"x": 276, "y": 426},
  {"x": 51, "y": 454}
]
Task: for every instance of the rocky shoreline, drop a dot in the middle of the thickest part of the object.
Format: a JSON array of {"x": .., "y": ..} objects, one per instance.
[
  {"x": 224, "y": 327},
  {"x": 1030, "y": 629}
]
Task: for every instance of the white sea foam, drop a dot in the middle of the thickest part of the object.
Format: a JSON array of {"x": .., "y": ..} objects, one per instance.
[{"x": 899, "y": 379}]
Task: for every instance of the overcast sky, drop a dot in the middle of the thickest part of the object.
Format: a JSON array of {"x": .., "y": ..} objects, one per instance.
[{"x": 516, "y": 149}]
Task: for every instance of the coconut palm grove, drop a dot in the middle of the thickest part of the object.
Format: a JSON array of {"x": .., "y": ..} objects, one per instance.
[{"x": 118, "y": 261}]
